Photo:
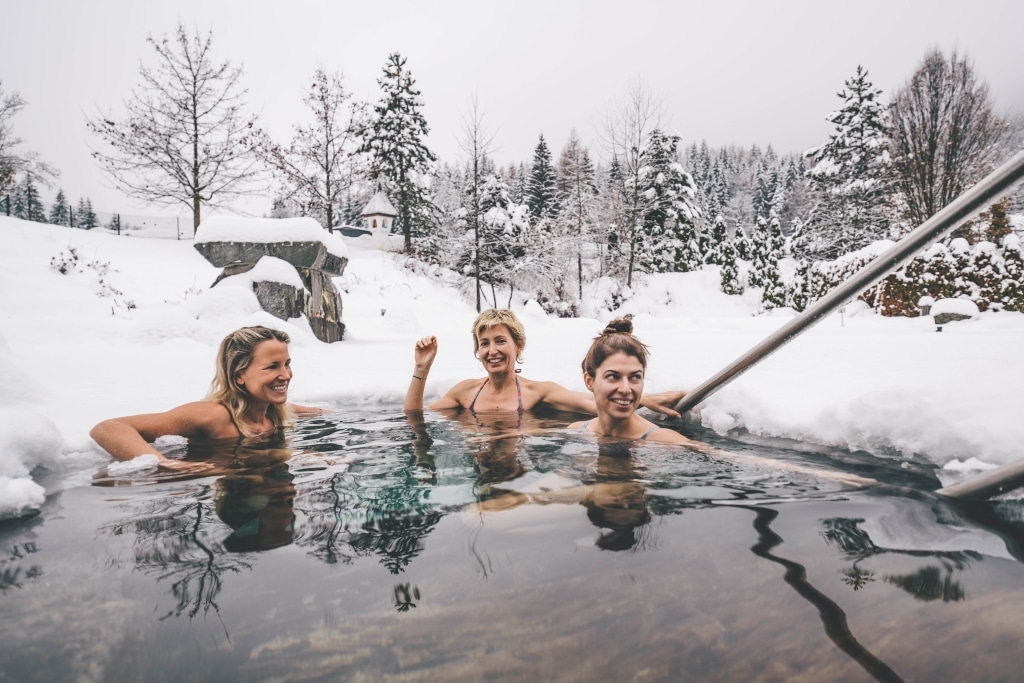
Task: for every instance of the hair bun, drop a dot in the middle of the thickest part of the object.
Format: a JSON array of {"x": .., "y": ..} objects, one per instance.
[{"x": 619, "y": 325}]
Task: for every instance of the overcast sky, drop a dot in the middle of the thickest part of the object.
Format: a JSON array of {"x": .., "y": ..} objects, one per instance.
[{"x": 728, "y": 72}]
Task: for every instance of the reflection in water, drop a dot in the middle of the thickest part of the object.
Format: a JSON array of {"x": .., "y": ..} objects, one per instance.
[
  {"x": 406, "y": 596},
  {"x": 257, "y": 504},
  {"x": 174, "y": 541},
  {"x": 11, "y": 575},
  {"x": 833, "y": 618},
  {"x": 929, "y": 583}
]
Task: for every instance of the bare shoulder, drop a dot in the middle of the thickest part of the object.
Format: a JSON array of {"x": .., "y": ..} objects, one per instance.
[{"x": 460, "y": 395}]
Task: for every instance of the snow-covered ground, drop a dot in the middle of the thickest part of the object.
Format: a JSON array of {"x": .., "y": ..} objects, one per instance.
[{"x": 133, "y": 326}]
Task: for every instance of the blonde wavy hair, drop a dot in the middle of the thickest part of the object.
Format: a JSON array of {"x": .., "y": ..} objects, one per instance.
[
  {"x": 233, "y": 357},
  {"x": 493, "y": 317}
]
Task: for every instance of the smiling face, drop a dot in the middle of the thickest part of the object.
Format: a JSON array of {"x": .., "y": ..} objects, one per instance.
[
  {"x": 497, "y": 350},
  {"x": 267, "y": 377},
  {"x": 617, "y": 384}
]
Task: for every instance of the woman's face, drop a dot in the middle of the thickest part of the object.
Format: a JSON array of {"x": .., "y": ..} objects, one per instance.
[
  {"x": 268, "y": 375},
  {"x": 497, "y": 349},
  {"x": 617, "y": 385}
]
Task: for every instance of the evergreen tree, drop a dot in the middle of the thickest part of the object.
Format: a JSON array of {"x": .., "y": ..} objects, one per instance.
[
  {"x": 729, "y": 274},
  {"x": 669, "y": 240},
  {"x": 765, "y": 189},
  {"x": 397, "y": 148},
  {"x": 742, "y": 243},
  {"x": 86, "y": 217},
  {"x": 541, "y": 185},
  {"x": 60, "y": 211},
  {"x": 34, "y": 210},
  {"x": 717, "y": 241},
  {"x": 850, "y": 174}
]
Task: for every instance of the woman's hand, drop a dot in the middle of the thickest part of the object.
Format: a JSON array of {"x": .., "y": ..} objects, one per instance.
[
  {"x": 425, "y": 352},
  {"x": 663, "y": 402}
]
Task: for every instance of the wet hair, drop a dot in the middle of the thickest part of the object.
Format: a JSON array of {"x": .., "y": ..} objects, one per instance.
[
  {"x": 617, "y": 337},
  {"x": 493, "y": 317},
  {"x": 233, "y": 358}
]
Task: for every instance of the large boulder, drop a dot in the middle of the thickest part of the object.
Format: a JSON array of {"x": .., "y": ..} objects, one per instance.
[{"x": 289, "y": 262}]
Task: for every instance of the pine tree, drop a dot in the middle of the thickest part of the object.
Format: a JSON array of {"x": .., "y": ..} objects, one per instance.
[
  {"x": 86, "y": 217},
  {"x": 60, "y": 211},
  {"x": 541, "y": 184},
  {"x": 850, "y": 174},
  {"x": 742, "y": 243},
  {"x": 716, "y": 242},
  {"x": 669, "y": 240},
  {"x": 397, "y": 148},
  {"x": 729, "y": 274},
  {"x": 34, "y": 209}
]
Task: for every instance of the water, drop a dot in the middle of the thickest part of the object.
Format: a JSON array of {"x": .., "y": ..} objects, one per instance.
[{"x": 383, "y": 550}]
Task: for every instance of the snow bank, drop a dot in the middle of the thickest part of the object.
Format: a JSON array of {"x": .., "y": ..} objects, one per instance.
[{"x": 134, "y": 327}]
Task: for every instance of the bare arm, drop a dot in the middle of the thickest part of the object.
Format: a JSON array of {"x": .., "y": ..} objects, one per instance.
[
  {"x": 131, "y": 436},
  {"x": 424, "y": 353}
]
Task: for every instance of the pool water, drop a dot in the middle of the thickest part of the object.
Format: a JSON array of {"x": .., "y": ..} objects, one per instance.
[{"x": 373, "y": 548}]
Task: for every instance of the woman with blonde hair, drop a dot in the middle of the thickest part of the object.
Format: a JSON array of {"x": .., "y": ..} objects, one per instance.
[
  {"x": 248, "y": 399},
  {"x": 498, "y": 343}
]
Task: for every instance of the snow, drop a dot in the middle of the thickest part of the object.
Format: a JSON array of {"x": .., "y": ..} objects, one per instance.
[
  {"x": 132, "y": 326},
  {"x": 263, "y": 230},
  {"x": 957, "y": 306}
]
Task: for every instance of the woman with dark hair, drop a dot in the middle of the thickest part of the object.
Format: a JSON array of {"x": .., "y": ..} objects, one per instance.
[
  {"x": 613, "y": 371},
  {"x": 498, "y": 342},
  {"x": 248, "y": 399}
]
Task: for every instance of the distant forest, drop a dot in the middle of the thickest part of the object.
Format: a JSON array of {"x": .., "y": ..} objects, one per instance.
[{"x": 585, "y": 221}]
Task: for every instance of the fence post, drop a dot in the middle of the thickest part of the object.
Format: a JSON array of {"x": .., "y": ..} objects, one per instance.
[{"x": 117, "y": 218}]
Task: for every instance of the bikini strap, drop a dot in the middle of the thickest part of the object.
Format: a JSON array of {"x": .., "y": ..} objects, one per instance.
[
  {"x": 519, "y": 393},
  {"x": 586, "y": 424},
  {"x": 477, "y": 395},
  {"x": 650, "y": 431}
]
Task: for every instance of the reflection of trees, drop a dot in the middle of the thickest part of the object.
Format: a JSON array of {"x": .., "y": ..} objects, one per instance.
[
  {"x": 377, "y": 508},
  {"x": 11, "y": 575},
  {"x": 173, "y": 542},
  {"x": 929, "y": 583},
  {"x": 833, "y": 618}
]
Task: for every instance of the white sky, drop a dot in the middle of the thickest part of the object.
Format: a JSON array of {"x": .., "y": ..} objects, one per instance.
[{"x": 728, "y": 72}]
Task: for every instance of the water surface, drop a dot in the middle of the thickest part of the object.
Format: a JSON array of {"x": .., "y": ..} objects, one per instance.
[{"x": 372, "y": 548}]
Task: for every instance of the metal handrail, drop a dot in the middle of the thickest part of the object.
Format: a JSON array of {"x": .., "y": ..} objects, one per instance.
[{"x": 957, "y": 212}]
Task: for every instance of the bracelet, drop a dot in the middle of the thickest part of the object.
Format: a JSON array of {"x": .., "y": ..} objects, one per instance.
[{"x": 417, "y": 377}]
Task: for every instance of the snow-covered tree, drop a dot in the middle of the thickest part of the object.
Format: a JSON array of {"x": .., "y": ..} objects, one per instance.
[
  {"x": 396, "y": 145},
  {"x": 318, "y": 168},
  {"x": 60, "y": 210},
  {"x": 849, "y": 175},
  {"x": 85, "y": 217},
  {"x": 668, "y": 238},
  {"x": 716, "y": 242},
  {"x": 577, "y": 191},
  {"x": 541, "y": 193},
  {"x": 186, "y": 138},
  {"x": 729, "y": 274}
]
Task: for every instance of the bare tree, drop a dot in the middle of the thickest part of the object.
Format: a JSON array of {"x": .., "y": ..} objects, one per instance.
[
  {"x": 186, "y": 139},
  {"x": 476, "y": 144},
  {"x": 14, "y": 160},
  {"x": 318, "y": 168},
  {"x": 628, "y": 124},
  {"x": 944, "y": 134}
]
